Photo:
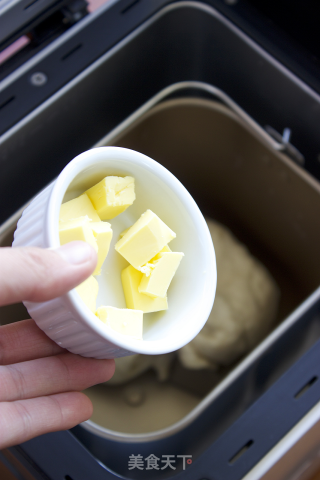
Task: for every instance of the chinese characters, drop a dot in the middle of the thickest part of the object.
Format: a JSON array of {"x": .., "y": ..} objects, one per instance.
[{"x": 152, "y": 462}]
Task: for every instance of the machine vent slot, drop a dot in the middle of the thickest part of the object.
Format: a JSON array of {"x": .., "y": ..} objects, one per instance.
[
  {"x": 240, "y": 452},
  {"x": 6, "y": 102},
  {"x": 132, "y": 4},
  {"x": 71, "y": 52},
  {"x": 30, "y": 4},
  {"x": 306, "y": 387}
]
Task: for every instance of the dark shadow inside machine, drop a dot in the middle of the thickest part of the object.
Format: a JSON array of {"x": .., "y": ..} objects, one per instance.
[
  {"x": 258, "y": 194},
  {"x": 268, "y": 202},
  {"x": 261, "y": 196}
]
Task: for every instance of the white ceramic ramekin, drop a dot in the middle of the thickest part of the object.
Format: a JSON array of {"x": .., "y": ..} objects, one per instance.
[{"x": 190, "y": 297}]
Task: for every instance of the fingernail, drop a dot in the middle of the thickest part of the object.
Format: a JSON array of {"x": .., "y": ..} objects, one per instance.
[{"x": 75, "y": 252}]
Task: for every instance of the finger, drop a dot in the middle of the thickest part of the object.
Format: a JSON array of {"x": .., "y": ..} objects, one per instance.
[
  {"x": 37, "y": 274},
  {"x": 23, "y": 341},
  {"x": 22, "y": 420},
  {"x": 46, "y": 376}
]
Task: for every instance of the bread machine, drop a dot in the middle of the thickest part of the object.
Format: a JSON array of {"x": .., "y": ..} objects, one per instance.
[{"x": 225, "y": 94}]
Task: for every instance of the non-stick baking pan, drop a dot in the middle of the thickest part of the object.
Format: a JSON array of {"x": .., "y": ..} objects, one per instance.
[
  {"x": 239, "y": 175},
  {"x": 257, "y": 403}
]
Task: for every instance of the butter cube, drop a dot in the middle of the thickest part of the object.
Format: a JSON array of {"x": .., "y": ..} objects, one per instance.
[
  {"x": 88, "y": 291},
  {"x": 122, "y": 320},
  {"x": 78, "y": 207},
  {"x": 124, "y": 231},
  {"x": 112, "y": 196},
  {"x": 144, "y": 239},
  {"x": 103, "y": 234},
  {"x": 166, "y": 248},
  {"x": 131, "y": 279},
  {"x": 146, "y": 269},
  {"x": 163, "y": 269},
  {"x": 77, "y": 229}
]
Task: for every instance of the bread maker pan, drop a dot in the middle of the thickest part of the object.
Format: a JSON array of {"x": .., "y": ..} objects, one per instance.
[
  {"x": 257, "y": 184},
  {"x": 231, "y": 181}
]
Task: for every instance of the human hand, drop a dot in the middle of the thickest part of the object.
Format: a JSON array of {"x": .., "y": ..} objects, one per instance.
[{"x": 40, "y": 382}]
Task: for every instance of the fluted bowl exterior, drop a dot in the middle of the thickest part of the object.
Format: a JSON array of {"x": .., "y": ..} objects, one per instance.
[{"x": 66, "y": 319}]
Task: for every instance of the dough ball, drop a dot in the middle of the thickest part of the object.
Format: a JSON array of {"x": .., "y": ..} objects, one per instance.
[
  {"x": 128, "y": 368},
  {"x": 244, "y": 310}
]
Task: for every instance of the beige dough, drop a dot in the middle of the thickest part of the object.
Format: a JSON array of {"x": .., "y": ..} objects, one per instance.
[
  {"x": 244, "y": 309},
  {"x": 130, "y": 367}
]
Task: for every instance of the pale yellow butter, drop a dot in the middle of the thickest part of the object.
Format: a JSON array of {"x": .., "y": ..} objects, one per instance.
[
  {"x": 131, "y": 279},
  {"x": 88, "y": 291},
  {"x": 166, "y": 248},
  {"x": 77, "y": 229},
  {"x": 112, "y": 196},
  {"x": 146, "y": 269},
  {"x": 144, "y": 239},
  {"x": 124, "y": 232},
  {"x": 78, "y": 207},
  {"x": 162, "y": 272},
  {"x": 103, "y": 235},
  {"x": 122, "y": 320}
]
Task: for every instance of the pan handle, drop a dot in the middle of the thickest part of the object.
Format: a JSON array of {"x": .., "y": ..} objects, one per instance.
[
  {"x": 59, "y": 455},
  {"x": 268, "y": 136}
]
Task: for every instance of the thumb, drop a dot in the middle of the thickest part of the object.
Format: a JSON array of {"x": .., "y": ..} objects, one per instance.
[{"x": 37, "y": 274}]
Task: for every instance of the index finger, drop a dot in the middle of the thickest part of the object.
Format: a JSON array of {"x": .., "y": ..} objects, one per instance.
[
  {"x": 39, "y": 274},
  {"x": 24, "y": 341}
]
